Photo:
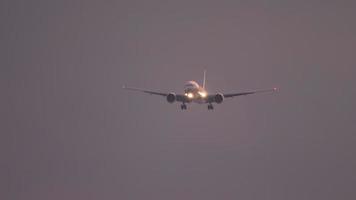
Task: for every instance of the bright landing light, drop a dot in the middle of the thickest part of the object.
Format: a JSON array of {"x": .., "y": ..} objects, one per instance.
[
  {"x": 190, "y": 95},
  {"x": 202, "y": 94}
]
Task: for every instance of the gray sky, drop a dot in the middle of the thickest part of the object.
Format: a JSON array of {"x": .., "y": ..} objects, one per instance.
[{"x": 68, "y": 130}]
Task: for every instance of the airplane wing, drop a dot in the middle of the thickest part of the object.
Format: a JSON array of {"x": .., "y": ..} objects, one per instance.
[
  {"x": 247, "y": 93},
  {"x": 219, "y": 97},
  {"x": 179, "y": 97},
  {"x": 145, "y": 91}
]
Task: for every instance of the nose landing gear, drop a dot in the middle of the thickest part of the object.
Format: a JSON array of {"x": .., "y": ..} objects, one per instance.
[
  {"x": 210, "y": 107},
  {"x": 183, "y": 107}
]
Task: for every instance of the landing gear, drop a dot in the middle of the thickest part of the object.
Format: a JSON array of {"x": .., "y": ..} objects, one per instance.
[
  {"x": 210, "y": 107},
  {"x": 183, "y": 107}
]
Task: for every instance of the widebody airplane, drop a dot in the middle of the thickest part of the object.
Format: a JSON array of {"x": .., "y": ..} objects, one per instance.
[{"x": 194, "y": 93}]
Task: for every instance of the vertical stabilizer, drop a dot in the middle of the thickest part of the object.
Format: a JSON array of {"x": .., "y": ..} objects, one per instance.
[{"x": 204, "y": 79}]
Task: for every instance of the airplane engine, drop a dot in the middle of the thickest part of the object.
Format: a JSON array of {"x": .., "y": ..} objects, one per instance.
[
  {"x": 219, "y": 98},
  {"x": 171, "y": 98}
]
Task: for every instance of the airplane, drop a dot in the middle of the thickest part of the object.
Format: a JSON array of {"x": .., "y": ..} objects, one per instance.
[{"x": 194, "y": 93}]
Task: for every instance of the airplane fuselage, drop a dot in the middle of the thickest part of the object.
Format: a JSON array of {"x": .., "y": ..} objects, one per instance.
[{"x": 195, "y": 93}]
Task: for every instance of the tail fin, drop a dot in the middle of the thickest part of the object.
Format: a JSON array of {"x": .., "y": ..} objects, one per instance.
[{"x": 204, "y": 79}]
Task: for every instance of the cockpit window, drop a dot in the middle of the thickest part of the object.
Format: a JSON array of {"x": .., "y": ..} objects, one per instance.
[{"x": 191, "y": 84}]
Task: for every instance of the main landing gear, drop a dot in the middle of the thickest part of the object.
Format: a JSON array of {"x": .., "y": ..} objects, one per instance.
[
  {"x": 184, "y": 107},
  {"x": 210, "y": 107}
]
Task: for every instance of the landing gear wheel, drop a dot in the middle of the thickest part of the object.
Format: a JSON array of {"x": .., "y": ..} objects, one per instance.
[
  {"x": 183, "y": 107},
  {"x": 210, "y": 107}
]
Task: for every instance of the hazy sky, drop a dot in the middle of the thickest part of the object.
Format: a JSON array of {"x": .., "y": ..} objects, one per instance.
[{"x": 68, "y": 130}]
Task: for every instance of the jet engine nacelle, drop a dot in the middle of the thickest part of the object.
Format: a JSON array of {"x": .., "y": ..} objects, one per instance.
[
  {"x": 219, "y": 98},
  {"x": 171, "y": 98}
]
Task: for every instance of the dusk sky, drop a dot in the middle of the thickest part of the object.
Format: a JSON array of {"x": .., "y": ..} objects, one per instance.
[{"x": 69, "y": 131}]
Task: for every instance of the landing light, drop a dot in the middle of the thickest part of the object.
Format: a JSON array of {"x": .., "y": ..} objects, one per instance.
[
  {"x": 190, "y": 95},
  {"x": 203, "y": 94}
]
